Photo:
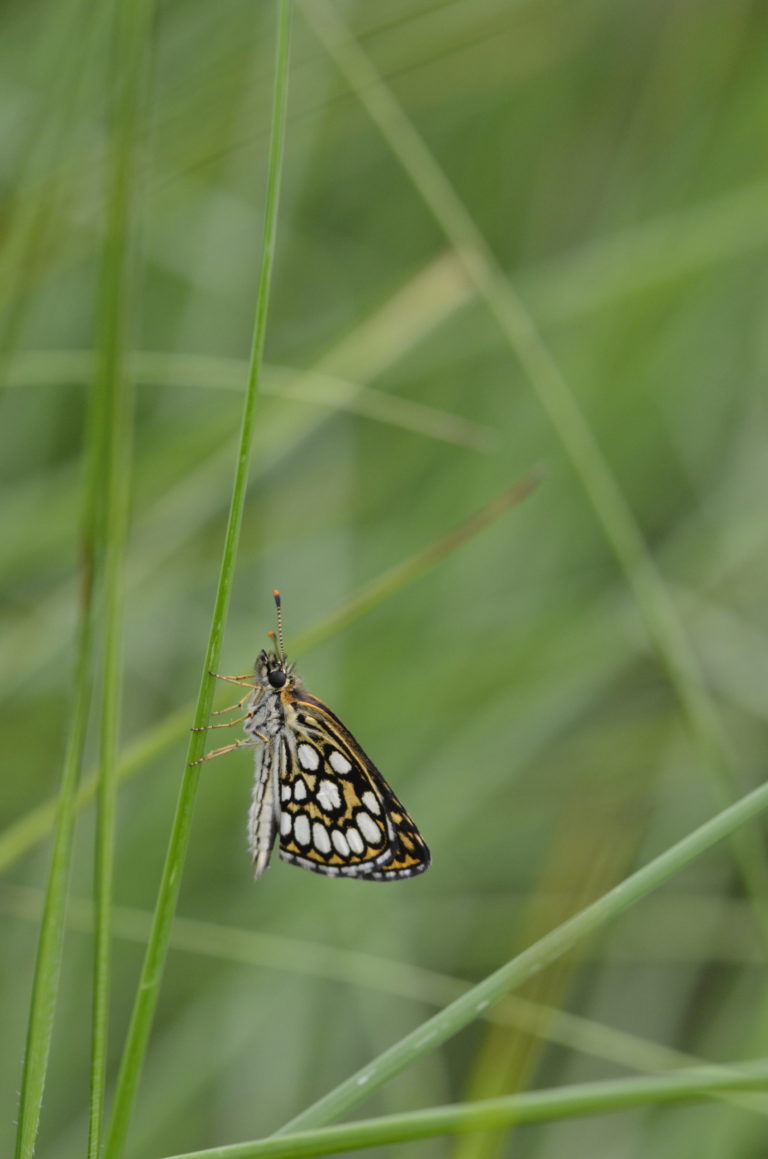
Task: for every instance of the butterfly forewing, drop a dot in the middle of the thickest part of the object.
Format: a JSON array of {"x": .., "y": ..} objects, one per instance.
[{"x": 337, "y": 814}]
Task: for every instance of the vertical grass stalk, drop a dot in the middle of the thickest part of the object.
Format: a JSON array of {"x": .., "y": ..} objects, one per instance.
[
  {"x": 157, "y": 946},
  {"x": 50, "y": 944},
  {"x": 130, "y": 38}
]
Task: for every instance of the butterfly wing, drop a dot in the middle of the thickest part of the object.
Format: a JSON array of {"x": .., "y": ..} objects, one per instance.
[
  {"x": 338, "y": 816},
  {"x": 410, "y": 855},
  {"x": 264, "y": 812}
]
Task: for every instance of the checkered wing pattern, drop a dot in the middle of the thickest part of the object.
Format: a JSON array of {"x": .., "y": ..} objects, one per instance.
[{"x": 338, "y": 816}]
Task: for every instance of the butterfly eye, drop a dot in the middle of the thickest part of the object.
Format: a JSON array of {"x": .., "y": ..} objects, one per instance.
[{"x": 277, "y": 678}]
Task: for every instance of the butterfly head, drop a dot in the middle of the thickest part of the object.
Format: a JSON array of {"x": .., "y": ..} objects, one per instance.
[{"x": 273, "y": 672}]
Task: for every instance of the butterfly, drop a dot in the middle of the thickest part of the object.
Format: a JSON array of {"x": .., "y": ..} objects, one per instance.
[{"x": 315, "y": 790}]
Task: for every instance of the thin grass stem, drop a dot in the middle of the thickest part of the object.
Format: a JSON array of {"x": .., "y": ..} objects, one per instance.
[
  {"x": 157, "y": 947},
  {"x": 130, "y": 37},
  {"x": 50, "y": 943},
  {"x": 62, "y": 812}
]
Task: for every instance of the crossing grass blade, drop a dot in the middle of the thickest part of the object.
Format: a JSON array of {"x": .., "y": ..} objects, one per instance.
[
  {"x": 371, "y": 972},
  {"x": 534, "y": 1107},
  {"x": 553, "y": 945}
]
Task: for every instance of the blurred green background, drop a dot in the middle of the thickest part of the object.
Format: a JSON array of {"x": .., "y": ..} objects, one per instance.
[{"x": 613, "y": 157}]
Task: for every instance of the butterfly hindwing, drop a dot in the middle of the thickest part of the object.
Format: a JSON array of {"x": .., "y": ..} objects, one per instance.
[
  {"x": 410, "y": 855},
  {"x": 263, "y": 816}
]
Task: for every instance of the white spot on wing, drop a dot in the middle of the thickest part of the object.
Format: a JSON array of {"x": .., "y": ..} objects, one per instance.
[
  {"x": 301, "y": 828},
  {"x": 340, "y": 842},
  {"x": 309, "y": 758},
  {"x": 338, "y": 762},
  {"x": 370, "y": 802},
  {"x": 320, "y": 837},
  {"x": 328, "y": 795},
  {"x": 300, "y": 789},
  {"x": 285, "y": 792},
  {"x": 356, "y": 843},
  {"x": 285, "y": 824},
  {"x": 368, "y": 827}
]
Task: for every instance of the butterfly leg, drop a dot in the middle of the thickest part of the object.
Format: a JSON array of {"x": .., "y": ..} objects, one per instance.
[
  {"x": 226, "y": 724},
  {"x": 245, "y": 680},
  {"x": 246, "y": 742},
  {"x": 239, "y": 704}
]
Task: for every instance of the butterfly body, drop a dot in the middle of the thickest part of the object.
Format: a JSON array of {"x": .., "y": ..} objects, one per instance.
[{"x": 317, "y": 792}]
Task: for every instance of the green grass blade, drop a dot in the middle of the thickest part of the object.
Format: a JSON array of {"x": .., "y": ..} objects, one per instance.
[
  {"x": 57, "y": 54},
  {"x": 401, "y": 979},
  {"x": 157, "y": 947},
  {"x": 552, "y": 946},
  {"x": 63, "y": 811},
  {"x": 50, "y": 944},
  {"x": 317, "y": 388},
  {"x": 614, "y": 514},
  {"x": 130, "y": 39},
  {"x": 534, "y": 1107}
]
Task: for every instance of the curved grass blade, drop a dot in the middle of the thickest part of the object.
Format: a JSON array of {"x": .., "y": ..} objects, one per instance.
[
  {"x": 233, "y": 944},
  {"x": 546, "y": 950},
  {"x": 533, "y": 1107}
]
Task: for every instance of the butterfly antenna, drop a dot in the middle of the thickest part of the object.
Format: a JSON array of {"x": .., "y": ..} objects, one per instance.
[{"x": 279, "y": 608}]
